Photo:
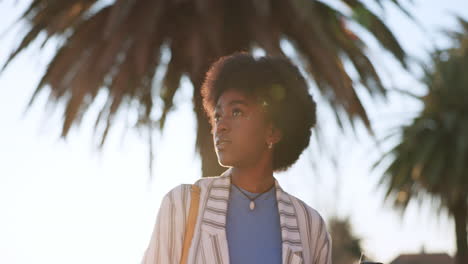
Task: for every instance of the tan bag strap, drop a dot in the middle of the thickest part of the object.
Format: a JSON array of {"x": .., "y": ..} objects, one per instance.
[{"x": 192, "y": 219}]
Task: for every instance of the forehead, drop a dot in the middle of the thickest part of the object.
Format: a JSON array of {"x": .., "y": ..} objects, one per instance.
[{"x": 233, "y": 97}]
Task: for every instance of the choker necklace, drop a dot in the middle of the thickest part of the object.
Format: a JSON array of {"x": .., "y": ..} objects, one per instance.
[{"x": 252, "y": 200}]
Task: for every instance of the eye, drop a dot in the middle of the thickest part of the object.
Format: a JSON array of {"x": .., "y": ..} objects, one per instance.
[
  {"x": 236, "y": 112},
  {"x": 216, "y": 117}
]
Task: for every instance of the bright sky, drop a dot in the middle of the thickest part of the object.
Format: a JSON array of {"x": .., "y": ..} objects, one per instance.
[{"x": 62, "y": 202}]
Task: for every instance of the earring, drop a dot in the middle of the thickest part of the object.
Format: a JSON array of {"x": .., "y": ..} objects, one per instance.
[{"x": 270, "y": 145}]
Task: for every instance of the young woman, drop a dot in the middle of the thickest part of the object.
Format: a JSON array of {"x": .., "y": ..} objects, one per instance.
[{"x": 261, "y": 114}]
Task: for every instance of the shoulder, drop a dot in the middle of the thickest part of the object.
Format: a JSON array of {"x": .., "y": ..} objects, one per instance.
[
  {"x": 182, "y": 191},
  {"x": 177, "y": 191},
  {"x": 313, "y": 232},
  {"x": 206, "y": 182},
  {"x": 304, "y": 209},
  {"x": 312, "y": 213},
  {"x": 310, "y": 219}
]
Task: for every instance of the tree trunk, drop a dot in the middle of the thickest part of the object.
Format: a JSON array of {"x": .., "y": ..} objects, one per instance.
[
  {"x": 460, "y": 215},
  {"x": 205, "y": 145},
  {"x": 209, "y": 160}
]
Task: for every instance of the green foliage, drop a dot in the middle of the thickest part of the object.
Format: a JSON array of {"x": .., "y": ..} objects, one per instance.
[
  {"x": 432, "y": 156},
  {"x": 117, "y": 47}
]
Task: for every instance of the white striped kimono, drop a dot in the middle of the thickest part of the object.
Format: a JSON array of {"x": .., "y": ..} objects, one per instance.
[{"x": 303, "y": 232}]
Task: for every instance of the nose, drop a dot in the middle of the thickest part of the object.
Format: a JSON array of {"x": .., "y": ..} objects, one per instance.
[{"x": 220, "y": 126}]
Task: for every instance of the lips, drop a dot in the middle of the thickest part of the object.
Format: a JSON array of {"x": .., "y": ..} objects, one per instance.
[{"x": 222, "y": 143}]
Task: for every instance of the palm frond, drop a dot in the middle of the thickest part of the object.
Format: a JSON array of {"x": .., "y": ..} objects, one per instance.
[
  {"x": 432, "y": 155},
  {"x": 53, "y": 17},
  {"x": 116, "y": 46},
  {"x": 379, "y": 30},
  {"x": 323, "y": 60}
]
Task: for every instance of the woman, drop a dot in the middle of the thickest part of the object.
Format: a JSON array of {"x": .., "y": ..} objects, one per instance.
[{"x": 261, "y": 114}]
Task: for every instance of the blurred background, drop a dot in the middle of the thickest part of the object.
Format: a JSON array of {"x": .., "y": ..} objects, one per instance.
[{"x": 100, "y": 117}]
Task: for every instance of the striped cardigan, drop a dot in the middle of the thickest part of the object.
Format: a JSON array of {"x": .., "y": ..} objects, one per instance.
[{"x": 303, "y": 232}]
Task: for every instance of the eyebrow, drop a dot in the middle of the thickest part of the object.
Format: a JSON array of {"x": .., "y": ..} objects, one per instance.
[{"x": 233, "y": 102}]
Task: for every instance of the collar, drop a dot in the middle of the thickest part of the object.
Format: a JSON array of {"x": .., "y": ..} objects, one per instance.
[{"x": 216, "y": 203}]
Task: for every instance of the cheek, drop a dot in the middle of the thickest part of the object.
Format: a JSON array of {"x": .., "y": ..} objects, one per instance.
[{"x": 252, "y": 135}]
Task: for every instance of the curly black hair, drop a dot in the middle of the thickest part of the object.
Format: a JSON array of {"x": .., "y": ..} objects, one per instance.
[{"x": 276, "y": 82}]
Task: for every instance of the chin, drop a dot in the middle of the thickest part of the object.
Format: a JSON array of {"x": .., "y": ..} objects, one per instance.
[{"x": 225, "y": 161}]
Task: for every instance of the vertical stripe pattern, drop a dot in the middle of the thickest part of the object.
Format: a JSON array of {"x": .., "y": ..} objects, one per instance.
[{"x": 303, "y": 231}]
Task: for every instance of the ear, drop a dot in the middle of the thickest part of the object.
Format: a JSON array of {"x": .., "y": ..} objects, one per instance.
[{"x": 274, "y": 134}]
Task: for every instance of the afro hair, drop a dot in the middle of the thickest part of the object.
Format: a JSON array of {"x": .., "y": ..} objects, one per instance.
[{"x": 278, "y": 83}]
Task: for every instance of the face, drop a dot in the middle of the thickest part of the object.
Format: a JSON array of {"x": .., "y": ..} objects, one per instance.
[{"x": 241, "y": 132}]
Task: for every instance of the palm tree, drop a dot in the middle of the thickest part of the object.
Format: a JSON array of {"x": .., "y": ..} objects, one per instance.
[
  {"x": 432, "y": 156},
  {"x": 346, "y": 247},
  {"x": 117, "y": 47}
]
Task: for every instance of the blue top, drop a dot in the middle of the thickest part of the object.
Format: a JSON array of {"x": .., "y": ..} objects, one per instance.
[{"x": 253, "y": 236}]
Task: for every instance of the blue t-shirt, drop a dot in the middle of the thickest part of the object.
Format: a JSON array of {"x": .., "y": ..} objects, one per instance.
[{"x": 253, "y": 236}]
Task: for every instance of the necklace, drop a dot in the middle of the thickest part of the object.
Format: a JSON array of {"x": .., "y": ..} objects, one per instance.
[{"x": 252, "y": 200}]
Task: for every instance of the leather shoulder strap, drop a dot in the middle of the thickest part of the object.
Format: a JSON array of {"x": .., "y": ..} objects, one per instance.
[{"x": 192, "y": 219}]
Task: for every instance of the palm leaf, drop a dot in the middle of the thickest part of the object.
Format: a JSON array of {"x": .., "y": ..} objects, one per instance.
[
  {"x": 116, "y": 47},
  {"x": 434, "y": 145},
  {"x": 379, "y": 30}
]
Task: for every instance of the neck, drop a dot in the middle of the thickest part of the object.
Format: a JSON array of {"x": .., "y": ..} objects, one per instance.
[{"x": 256, "y": 179}]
